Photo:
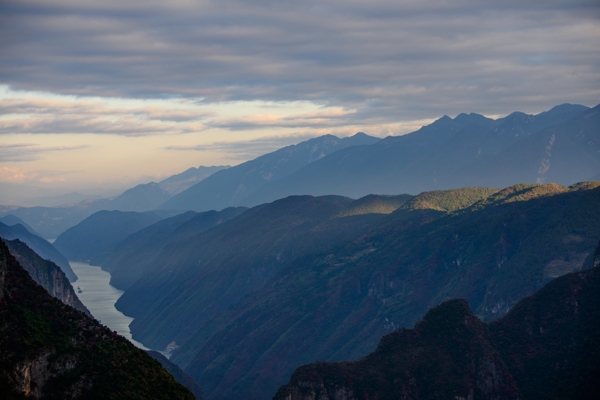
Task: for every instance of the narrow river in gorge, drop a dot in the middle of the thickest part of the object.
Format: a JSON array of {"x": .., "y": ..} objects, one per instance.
[{"x": 100, "y": 297}]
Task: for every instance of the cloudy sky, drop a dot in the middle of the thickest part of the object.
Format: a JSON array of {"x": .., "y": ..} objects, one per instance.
[{"x": 106, "y": 93}]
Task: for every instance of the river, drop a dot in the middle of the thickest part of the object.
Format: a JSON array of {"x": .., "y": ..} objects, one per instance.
[{"x": 100, "y": 297}]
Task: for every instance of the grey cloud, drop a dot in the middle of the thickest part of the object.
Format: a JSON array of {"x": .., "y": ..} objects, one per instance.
[
  {"x": 389, "y": 60},
  {"x": 55, "y": 116},
  {"x": 30, "y": 151}
]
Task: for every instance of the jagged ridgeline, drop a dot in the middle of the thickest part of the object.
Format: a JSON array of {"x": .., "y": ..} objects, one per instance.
[
  {"x": 546, "y": 347},
  {"x": 50, "y": 350}
]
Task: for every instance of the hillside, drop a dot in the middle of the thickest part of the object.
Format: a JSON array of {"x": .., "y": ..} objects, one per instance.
[
  {"x": 93, "y": 239},
  {"x": 228, "y": 187},
  {"x": 11, "y": 220},
  {"x": 130, "y": 259},
  {"x": 40, "y": 246},
  {"x": 51, "y": 350},
  {"x": 546, "y": 347},
  {"x": 491, "y": 253},
  {"x": 375, "y": 204},
  {"x": 193, "y": 279},
  {"x": 46, "y": 274}
]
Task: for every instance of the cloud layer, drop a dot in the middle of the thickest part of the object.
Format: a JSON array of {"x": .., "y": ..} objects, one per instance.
[
  {"x": 30, "y": 151},
  {"x": 386, "y": 60}
]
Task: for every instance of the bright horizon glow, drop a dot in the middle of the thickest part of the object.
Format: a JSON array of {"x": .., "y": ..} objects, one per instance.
[{"x": 118, "y": 142}]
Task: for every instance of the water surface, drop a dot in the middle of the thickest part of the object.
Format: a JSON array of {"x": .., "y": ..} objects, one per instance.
[{"x": 100, "y": 297}]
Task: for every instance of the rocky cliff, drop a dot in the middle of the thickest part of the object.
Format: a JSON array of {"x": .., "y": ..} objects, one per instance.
[{"x": 46, "y": 274}]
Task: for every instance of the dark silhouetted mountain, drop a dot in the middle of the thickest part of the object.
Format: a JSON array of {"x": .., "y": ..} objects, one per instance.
[
  {"x": 46, "y": 274},
  {"x": 228, "y": 187},
  {"x": 11, "y": 220},
  {"x": 141, "y": 198},
  {"x": 546, "y": 347},
  {"x": 447, "y": 355},
  {"x": 40, "y": 246},
  {"x": 178, "y": 183},
  {"x": 50, "y": 350},
  {"x": 336, "y": 304},
  {"x": 193, "y": 279},
  {"x": 178, "y": 374},
  {"x": 94, "y": 238},
  {"x": 130, "y": 258},
  {"x": 560, "y": 145}
]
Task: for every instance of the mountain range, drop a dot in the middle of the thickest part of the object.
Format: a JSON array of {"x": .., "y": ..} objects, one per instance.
[
  {"x": 226, "y": 283},
  {"x": 560, "y": 145},
  {"x": 318, "y": 250},
  {"x": 229, "y": 187},
  {"x": 335, "y": 303}
]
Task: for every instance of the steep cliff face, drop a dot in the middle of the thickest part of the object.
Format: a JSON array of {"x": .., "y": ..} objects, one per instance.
[
  {"x": 49, "y": 350},
  {"x": 46, "y": 274},
  {"x": 545, "y": 347}
]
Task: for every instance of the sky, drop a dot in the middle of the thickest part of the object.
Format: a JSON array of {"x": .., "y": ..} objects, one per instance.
[{"x": 102, "y": 95}]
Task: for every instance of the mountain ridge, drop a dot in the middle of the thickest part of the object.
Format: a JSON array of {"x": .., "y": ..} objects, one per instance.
[
  {"x": 454, "y": 153},
  {"x": 225, "y": 188}
]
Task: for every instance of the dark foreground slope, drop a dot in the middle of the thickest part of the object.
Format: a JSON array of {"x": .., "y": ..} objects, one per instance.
[
  {"x": 178, "y": 374},
  {"x": 546, "y": 347},
  {"x": 338, "y": 304},
  {"x": 52, "y": 351},
  {"x": 40, "y": 246},
  {"x": 46, "y": 274}
]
